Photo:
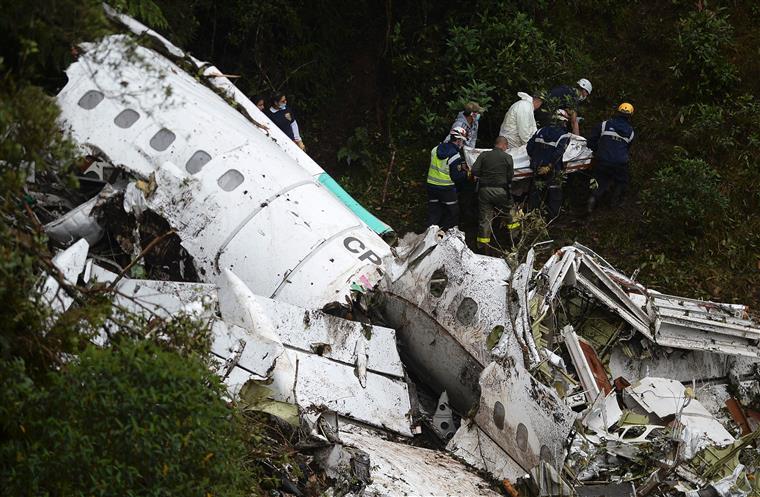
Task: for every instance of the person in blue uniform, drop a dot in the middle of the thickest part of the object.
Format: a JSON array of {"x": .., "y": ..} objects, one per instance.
[
  {"x": 611, "y": 142},
  {"x": 284, "y": 118},
  {"x": 546, "y": 149}
]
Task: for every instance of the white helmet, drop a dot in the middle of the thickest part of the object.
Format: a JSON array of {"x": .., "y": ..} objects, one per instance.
[
  {"x": 585, "y": 84},
  {"x": 458, "y": 132},
  {"x": 561, "y": 115}
]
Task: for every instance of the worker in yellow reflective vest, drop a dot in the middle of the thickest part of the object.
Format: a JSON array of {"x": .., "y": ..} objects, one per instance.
[{"x": 446, "y": 168}]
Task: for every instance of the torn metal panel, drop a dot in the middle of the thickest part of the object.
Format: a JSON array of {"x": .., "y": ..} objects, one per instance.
[
  {"x": 559, "y": 270},
  {"x": 668, "y": 398},
  {"x": 471, "y": 298},
  {"x": 475, "y": 447},
  {"x": 522, "y": 416},
  {"x": 244, "y": 354},
  {"x": 239, "y": 306},
  {"x": 244, "y": 349},
  {"x": 162, "y": 299},
  {"x": 79, "y": 222},
  {"x": 681, "y": 365},
  {"x": 310, "y": 331},
  {"x": 333, "y": 337},
  {"x": 737, "y": 413},
  {"x": 734, "y": 485},
  {"x": 604, "y": 412},
  {"x": 323, "y": 383},
  {"x": 71, "y": 263},
  {"x": 548, "y": 482},
  {"x": 398, "y": 469},
  {"x": 703, "y": 325},
  {"x": 410, "y": 249},
  {"x": 519, "y": 313},
  {"x": 226, "y": 187},
  {"x": 594, "y": 279},
  {"x": 585, "y": 373}
]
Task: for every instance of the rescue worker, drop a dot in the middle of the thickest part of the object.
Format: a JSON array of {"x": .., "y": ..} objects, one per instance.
[
  {"x": 447, "y": 167},
  {"x": 546, "y": 149},
  {"x": 260, "y": 103},
  {"x": 611, "y": 141},
  {"x": 494, "y": 170},
  {"x": 468, "y": 119},
  {"x": 567, "y": 98},
  {"x": 284, "y": 118},
  {"x": 519, "y": 122}
]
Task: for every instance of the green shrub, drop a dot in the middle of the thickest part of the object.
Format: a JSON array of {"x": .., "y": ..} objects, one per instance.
[
  {"x": 128, "y": 420},
  {"x": 683, "y": 198},
  {"x": 704, "y": 37},
  {"x": 488, "y": 60}
]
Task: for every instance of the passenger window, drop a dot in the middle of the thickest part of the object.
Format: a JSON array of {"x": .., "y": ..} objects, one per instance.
[
  {"x": 230, "y": 180},
  {"x": 90, "y": 100},
  {"x": 197, "y": 161},
  {"x": 162, "y": 139},
  {"x": 126, "y": 118}
]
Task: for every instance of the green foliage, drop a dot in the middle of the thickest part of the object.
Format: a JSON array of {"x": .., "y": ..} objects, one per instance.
[
  {"x": 358, "y": 149},
  {"x": 704, "y": 37},
  {"x": 30, "y": 134},
  {"x": 37, "y": 38},
  {"x": 31, "y": 142},
  {"x": 488, "y": 60},
  {"x": 684, "y": 197},
  {"x": 731, "y": 126},
  {"x": 132, "y": 420},
  {"x": 144, "y": 10}
]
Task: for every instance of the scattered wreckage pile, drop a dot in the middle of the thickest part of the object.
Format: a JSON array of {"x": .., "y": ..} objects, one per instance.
[
  {"x": 418, "y": 369},
  {"x": 560, "y": 381}
]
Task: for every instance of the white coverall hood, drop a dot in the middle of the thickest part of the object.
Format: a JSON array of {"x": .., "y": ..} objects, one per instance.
[{"x": 519, "y": 124}]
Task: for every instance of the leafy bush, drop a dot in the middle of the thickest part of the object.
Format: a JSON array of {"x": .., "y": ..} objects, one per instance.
[
  {"x": 684, "y": 197},
  {"x": 127, "y": 420},
  {"x": 358, "y": 149},
  {"x": 702, "y": 67},
  {"x": 488, "y": 60}
]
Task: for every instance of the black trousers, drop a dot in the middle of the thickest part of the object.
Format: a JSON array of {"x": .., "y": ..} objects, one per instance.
[
  {"x": 443, "y": 207},
  {"x": 546, "y": 191},
  {"x": 611, "y": 178}
]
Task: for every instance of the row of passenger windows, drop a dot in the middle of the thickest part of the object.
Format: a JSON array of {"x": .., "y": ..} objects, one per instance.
[{"x": 163, "y": 140}]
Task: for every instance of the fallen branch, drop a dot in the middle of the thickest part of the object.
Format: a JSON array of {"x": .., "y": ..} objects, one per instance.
[
  {"x": 147, "y": 249},
  {"x": 388, "y": 177}
]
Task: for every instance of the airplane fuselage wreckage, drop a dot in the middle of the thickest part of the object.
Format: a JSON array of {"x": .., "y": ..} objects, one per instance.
[{"x": 564, "y": 378}]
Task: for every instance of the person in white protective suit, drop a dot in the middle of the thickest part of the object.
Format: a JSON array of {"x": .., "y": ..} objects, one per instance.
[{"x": 519, "y": 122}]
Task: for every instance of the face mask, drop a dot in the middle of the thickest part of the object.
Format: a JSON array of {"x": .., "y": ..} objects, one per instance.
[
  {"x": 282, "y": 106},
  {"x": 477, "y": 117}
]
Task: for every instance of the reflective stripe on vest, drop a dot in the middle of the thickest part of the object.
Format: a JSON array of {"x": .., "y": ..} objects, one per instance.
[
  {"x": 438, "y": 174},
  {"x": 552, "y": 144},
  {"x": 614, "y": 134}
]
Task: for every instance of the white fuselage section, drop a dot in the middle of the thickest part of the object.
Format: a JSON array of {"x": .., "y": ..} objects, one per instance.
[{"x": 228, "y": 188}]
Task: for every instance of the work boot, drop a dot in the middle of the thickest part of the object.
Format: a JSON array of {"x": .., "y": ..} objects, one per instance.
[{"x": 591, "y": 205}]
